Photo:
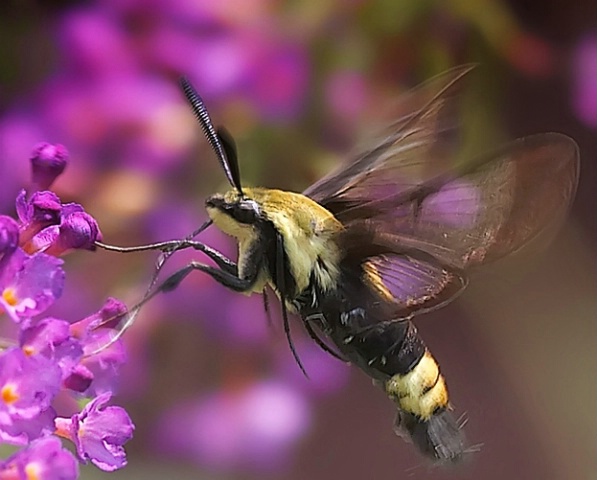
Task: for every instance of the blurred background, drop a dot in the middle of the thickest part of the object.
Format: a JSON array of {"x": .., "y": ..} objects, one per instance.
[{"x": 213, "y": 390}]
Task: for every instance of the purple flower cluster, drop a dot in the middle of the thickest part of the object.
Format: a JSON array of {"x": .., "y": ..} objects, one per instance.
[{"x": 49, "y": 356}]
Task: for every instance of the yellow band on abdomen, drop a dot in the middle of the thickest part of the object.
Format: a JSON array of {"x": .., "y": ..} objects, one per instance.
[{"x": 422, "y": 391}]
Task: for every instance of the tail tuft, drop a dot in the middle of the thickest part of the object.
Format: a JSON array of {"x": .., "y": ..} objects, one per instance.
[{"x": 439, "y": 438}]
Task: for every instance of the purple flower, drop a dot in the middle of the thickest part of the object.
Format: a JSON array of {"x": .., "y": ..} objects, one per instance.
[
  {"x": 94, "y": 332},
  {"x": 79, "y": 379},
  {"x": 47, "y": 162},
  {"x": 20, "y": 431},
  {"x": 27, "y": 384},
  {"x": 77, "y": 230},
  {"x": 99, "y": 433},
  {"x": 51, "y": 338},
  {"x": 43, "y": 459},
  {"x": 29, "y": 284},
  {"x": 50, "y": 355},
  {"x": 27, "y": 388},
  {"x": 9, "y": 236},
  {"x": 99, "y": 324},
  {"x": 255, "y": 427},
  {"x": 40, "y": 211},
  {"x": 48, "y": 225}
]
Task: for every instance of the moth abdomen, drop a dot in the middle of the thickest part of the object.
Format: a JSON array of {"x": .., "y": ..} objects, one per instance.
[
  {"x": 439, "y": 437},
  {"x": 424, "y": 414},
  {"x": 422, "y": 391}
]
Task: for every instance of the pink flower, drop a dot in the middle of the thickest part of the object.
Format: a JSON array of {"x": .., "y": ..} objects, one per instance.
[
  {"x": 42, "y": 459},
  {"x": 99, "y": 433}
]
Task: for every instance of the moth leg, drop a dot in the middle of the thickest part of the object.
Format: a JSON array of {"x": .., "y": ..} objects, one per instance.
[
  {"x": 219, "y": 258},
  {"x": 172, "y": 245},
  {"x": 320, "y": 343},
  {"x": 222, "y": 276},
  {"x": 166, "y": 247}
]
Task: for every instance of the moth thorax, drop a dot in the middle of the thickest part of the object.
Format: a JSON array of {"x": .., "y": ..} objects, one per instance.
[{"x": 309, "y": 233}]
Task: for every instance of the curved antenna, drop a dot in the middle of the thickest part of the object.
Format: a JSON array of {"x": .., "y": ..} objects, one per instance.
[{"x": 221, "y": 142}]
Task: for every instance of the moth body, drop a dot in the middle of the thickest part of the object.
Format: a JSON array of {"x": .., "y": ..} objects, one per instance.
[
  {"x": 390, "y": 235},
  {"x": 339, "y": 292}
]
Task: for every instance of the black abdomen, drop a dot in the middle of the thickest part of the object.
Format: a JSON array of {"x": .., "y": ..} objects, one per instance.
[{"x": 370, "y": 332}]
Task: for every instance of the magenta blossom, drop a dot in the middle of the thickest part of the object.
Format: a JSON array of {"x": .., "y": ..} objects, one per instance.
[
  {"x": 42, "y": 459},
  {"x": 94, "y": 333},
  {"x": 51, "y": 338},
  {"x": 28, "y": 386},
  {"x": 9, "y": 236},
  {"x": 77, "y": 230},
  {"x": 99, "y": 433},
  {"x": 36, "y": 213},
  {"x": 51, "y": 353},
  {"x": 20, "y": 431},
  {"x": 47, "y": 163},
  {"x": 29, "y": 284},
  {"x": 80, "y": 379},
  {"x": 55, "y": 228}
]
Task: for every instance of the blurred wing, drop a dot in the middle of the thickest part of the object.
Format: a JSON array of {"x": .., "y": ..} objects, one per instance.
[
  {"x": 423, "y": 116},
  {"x": 412, "y": 192},
  {"x": 471, "y": 216}
]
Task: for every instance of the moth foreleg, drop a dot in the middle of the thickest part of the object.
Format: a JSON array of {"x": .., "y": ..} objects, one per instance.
[
  {"x": 221, "y": 276},
  {"x": 174, "y": 245}
]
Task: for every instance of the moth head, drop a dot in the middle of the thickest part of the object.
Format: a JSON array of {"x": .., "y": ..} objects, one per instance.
[{"x": 234, "y": 213}]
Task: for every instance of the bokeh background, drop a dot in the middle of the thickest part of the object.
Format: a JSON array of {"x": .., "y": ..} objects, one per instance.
[{"x": 212, "y": 389}]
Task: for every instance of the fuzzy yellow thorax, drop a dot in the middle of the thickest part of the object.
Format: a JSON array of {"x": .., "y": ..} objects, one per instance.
[{"x": 308, "y": 230}]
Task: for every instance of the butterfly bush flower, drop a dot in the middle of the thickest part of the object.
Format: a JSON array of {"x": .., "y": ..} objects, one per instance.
[
  {"x": 50, "y": 355},
  {"x": 51, "y": 338},
  {"x": 9, "y": 236},
  {"x": 47, "y": 163},
  {"x": 36, "y": 213},
  {"x": 29, "y": 284},
  {"x": 99, "y": 433},
  {"x": 27, "y": 388},
  {"x": 94, "y": 332},
  {"x": 42, "y": 459}
]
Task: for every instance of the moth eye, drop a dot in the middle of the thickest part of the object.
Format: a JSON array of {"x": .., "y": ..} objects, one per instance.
[{"x": 246, "y": 211}]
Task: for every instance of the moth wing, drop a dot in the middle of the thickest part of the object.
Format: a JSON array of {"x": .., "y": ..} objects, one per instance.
[
  {"x": 418, "y": 118},
  {"x": 413, "y": 284},
  {"x": 472, "y": 215},
  {"x": 419, "y": 189}
]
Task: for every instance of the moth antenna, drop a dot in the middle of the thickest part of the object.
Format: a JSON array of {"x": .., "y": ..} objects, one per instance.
[
  {"x": 282, "y": 289},
  {"x": 229, "y": 146},
  {"x": 222, "y": 144}
]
